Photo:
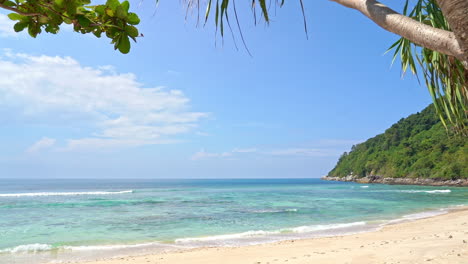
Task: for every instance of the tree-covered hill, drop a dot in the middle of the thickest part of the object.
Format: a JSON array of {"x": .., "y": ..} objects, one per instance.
[{"x": 415, "y": 147}]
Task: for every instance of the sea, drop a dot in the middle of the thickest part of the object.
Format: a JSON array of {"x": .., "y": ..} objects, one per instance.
[{"x": 60, "y": 220}]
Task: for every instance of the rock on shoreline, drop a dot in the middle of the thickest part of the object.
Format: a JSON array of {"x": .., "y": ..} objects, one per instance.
[{"x": 402, "y": 181}]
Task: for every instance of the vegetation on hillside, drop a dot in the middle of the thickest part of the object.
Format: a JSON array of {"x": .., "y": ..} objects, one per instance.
[{"x": 416, "y": 146}]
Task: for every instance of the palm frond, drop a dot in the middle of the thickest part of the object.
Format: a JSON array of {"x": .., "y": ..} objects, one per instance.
[{"x": 444, "y": 75}]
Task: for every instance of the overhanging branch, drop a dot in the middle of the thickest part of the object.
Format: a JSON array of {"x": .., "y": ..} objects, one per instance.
[
  {"x": 424, "y": 35},
  {"x": 18, "y": 12}
]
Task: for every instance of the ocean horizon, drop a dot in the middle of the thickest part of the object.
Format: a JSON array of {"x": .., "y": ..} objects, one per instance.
[{"x": 59, "y": 220}]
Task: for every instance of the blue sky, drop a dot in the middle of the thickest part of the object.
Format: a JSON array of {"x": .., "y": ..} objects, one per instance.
[{"x": 179, "y": 106}]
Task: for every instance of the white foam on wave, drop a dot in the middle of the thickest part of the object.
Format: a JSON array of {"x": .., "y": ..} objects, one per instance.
[
  {"x": 439, "y": 191},
  {"x": 274, "y": 211},
  {"x": 29, "y": 248},
  {"x": 416, "y": 216},
  {"x": 365, "y": 186},
  {"x": 312, "y": 228},
  {"x": 248, "y": 234},
  {"x": 61, "y": 193},
  {"x": 108, "y": 247},
  {"x": 426, "y": 191},
  {"x": 262, "y": 233},
  {"x": 37, "y": 248}
]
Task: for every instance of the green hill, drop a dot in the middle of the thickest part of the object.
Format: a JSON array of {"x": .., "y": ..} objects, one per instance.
[{"x": 415, "y": 147}]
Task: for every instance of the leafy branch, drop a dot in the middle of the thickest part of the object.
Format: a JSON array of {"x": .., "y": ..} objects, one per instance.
[{"x": 112, "y": 18}]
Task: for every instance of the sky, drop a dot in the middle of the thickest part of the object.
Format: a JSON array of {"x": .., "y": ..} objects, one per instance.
[{"x": 185, "y": 104}]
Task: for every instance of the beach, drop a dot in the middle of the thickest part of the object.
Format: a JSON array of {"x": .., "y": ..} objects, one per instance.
[
  {"x": 437, "y": 239},
  {"x": 239, "y": 221}
]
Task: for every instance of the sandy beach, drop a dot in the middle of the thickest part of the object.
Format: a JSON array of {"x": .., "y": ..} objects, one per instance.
[{"x": 438, "y": 239}]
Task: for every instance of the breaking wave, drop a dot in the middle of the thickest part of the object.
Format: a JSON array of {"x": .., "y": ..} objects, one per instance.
[
  {"x": 423, "y": 191},
  {"x": 262, "y": 233},
  {"x": 60, "y": 193},
  {"x": 271, "y": 211},
  {"x": 30, "y": 248}
]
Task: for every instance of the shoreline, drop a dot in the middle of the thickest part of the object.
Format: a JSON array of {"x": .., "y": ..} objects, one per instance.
[
  {"x": 440, "y": 238},
  {"x": 399, "y": 181}
]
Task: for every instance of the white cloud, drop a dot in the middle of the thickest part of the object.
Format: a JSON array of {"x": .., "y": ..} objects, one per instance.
[
  {"x": 202, "y": 134},
  {"x": 172, "y": 72},
  {"x": 43, "y": 143},
  {"x": 319, "y": 148},
  {"x": 244, "y": 150},
  {"x": 298, "y": 152},
  {"x": 202, "y": 154},
  {"x": 119, "y": 110},
  {"x": 309, "y": 152},
  {"x": 6, "y": 27}
]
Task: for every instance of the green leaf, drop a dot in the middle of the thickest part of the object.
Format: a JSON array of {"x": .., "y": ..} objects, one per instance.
[
  {"x": 217, "y": 13},
  {"x": 59, "y": 3},
  {"x": 109, "y": 35},
  {"x": 97, "y": 33},
  {"x": 52, "y": 29},
  {"x": 70, "y": 8},
  {"x": 33, "y": 30},
  {"x": 208, "y": 8},
  {"x": 264, "y": 10},
  {"x": 131, "y": 31},
  {"x": 405, "y": 8},
  {"x": 15, "y": 16},
  {"x": 124, "y": 44},
  {"x": 133, "y": 19},
  {"x": 125, "y": 5},
  {"x": 43, "y": 19},
  {"x": 110, "y": 12},
  {"x": 84, "y": 22},
  {"x": 20, "y": 26},
  {"x": 121, "y": 13},
  {"x": 9, "y": 3},
  {"x": 112, "y": 4},
  {"x": 67, "y": 21},
  {"x": 100, "y": 9}
]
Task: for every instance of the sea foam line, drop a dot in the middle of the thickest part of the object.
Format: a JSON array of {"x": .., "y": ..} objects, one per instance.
[
  {"x": 110, "y": 247},
  {"x": 420, "y": 215},
  {"x": 312, "y": 228},
  {"x": 266, "y": 211},
  {"x": 60, "y": 193},
  {"x": 420, "y": 191},
  {"x": 262, "y": 233},
  {"x": 37, "y": 248},
  {"x": 32, "y": 248}
]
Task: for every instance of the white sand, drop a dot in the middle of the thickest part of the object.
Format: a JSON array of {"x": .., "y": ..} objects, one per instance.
[{"x": 439, "y": 239}]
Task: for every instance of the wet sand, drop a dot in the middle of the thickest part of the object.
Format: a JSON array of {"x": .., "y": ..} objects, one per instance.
[{"x": 438, "y": 239}]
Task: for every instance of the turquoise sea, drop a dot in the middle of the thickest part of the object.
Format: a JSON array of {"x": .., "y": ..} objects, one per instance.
[{"x": 62, "y": 220}]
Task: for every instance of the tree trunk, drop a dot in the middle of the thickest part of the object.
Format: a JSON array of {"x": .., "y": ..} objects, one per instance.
[{"x": 456, "y": 13}]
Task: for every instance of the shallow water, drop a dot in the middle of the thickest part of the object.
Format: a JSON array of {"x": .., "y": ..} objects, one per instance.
[{"x": 43, "y": 220}]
